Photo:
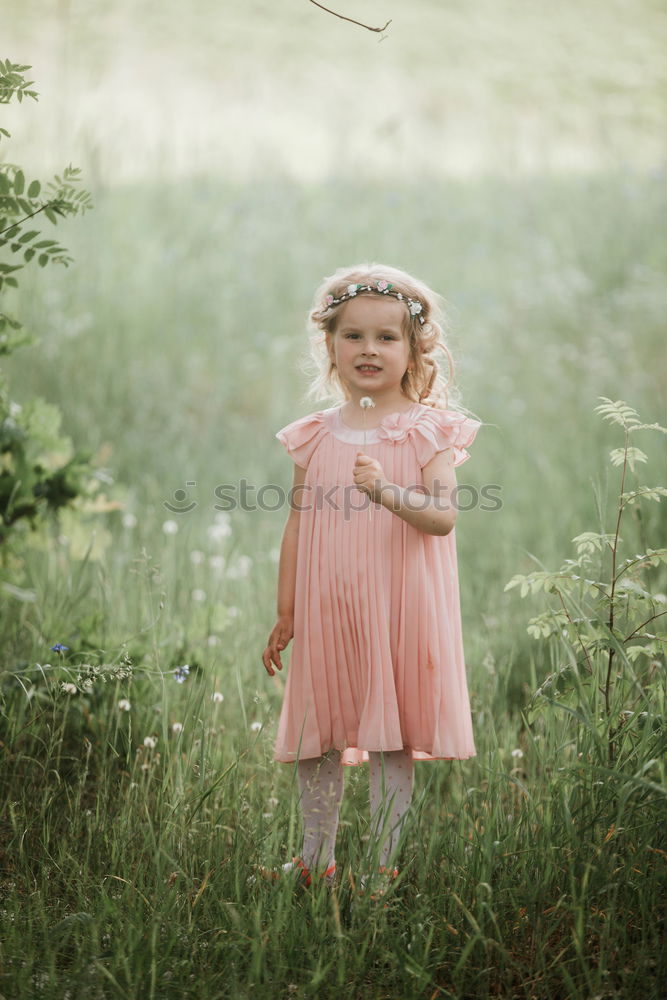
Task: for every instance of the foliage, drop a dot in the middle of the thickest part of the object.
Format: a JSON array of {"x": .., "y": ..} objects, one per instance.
[
  {"x": 39, "y": 471},
  {"x": 609, "y": 651}
]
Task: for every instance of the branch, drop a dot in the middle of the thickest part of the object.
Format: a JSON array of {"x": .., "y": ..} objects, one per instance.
[{"x": 351, "y": 19}]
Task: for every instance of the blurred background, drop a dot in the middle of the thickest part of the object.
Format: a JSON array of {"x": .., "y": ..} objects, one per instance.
[{"x": 511, "y": 154}]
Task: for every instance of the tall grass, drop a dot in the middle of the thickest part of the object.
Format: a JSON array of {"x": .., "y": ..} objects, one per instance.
[{"x": 127, "y": 870}]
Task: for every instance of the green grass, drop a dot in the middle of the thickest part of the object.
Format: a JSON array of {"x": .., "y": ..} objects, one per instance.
[{"x": 172, "y": 347}]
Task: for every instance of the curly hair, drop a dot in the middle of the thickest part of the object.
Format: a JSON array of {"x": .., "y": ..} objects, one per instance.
[{"x": 423, "y": 383}]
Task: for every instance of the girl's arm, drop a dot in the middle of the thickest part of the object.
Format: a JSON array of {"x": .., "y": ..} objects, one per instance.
[
  {"x": 283, "y": 630},
  {"x": 430, "y": 508}
]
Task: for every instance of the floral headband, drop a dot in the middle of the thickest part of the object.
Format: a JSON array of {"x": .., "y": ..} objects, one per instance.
[{"x": 381, "y": 287}]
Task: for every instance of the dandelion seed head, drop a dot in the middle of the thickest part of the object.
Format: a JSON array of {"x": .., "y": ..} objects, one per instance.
[
  {"x": 197, "y": 557},
  {"x": 124, "y": 705},
  {"x": 218, "y": 697},
  {"x": 177, "y": 727},
  {"x": 365, "y": 402},
  {"x": 198, "y": 595},
  {"x": 69, "y": 688},
  {"x": 170, "y": 527},
  {"x": 150, "y": 742},
  {"x": 129, "y": 520},
  {"x": 255, "y": 726},
  {"x": 517, "y": 753}
]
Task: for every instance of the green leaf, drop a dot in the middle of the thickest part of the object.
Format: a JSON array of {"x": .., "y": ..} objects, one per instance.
[
  {"x": 34, "y": 189},
  {"x": 43, "y": 260},
  {"x": 19, "y": 182},
  {"x": 29, "y": 236}
]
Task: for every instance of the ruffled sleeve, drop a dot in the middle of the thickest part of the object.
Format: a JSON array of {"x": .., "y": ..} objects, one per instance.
[
  {"x": 436, "y": 430},
  {"x": 302, "y": 436}
]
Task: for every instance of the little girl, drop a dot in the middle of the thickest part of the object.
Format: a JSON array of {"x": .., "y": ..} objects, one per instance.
[{"x": 368, "y": 584}]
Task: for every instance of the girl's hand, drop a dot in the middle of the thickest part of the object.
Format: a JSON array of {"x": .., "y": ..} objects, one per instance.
[
  {"x": 369, "y": 476},
  {"x": 282, "y": 632}
]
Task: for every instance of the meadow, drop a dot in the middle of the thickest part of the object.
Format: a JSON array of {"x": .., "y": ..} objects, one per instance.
[{"x": 139, "y": 799}]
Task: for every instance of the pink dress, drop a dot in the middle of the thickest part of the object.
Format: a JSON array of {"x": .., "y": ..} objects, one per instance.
[{"x": 377, "y": 656}]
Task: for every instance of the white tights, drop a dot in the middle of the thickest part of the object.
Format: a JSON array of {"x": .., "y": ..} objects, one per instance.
[{"x": 321, "y": 788}]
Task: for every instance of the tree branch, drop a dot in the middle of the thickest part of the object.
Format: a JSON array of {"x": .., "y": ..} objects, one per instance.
[{"x": 351, "y": 19}]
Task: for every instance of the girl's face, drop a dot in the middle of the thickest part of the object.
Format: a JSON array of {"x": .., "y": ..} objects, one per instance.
[{"x": 370, "y": 347}]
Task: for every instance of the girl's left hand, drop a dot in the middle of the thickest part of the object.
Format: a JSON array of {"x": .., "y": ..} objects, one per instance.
[{"x": 369, "y": 476}]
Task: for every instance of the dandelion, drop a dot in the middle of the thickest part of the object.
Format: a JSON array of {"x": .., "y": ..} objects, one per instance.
[
  {"x": 180, "y": 673},
  {"x": 217, "y": 564},
  {"x": 218, "y": 697},
  {"x": 69, "y": 688},
  {"x": 197, "y": 557},
  {"x": 129, "y": 520},
  {"x": 59, "y": 648},
  {"x": 241, "y": 568},
  {"x": 177, "y": 727},
  {"x": 221, "y": 527},
  {"x": 255, "y": 727},
  {"x": 170, "y": 527},
  {"x": 232, "y": 611},
  {"x": 150, "y": 742},
  {"x": 198, "y": 595},
  {"x": 124, "y": 705},
  {"x": 517, "y": 754}
]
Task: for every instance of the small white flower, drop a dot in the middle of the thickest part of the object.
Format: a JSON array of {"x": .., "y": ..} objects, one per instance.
[
  {"x": 198, "y": 595},
  {"x": 365, "y": 402},
  {"x": 150, "y": 742},
  {"x": 129, "y": 520},
  {"x": 218, "y": 696},
  {"x": 197, "y": 557},
  {"x": 218, "y": 532},
  {"x": 517, "y": 753},
  {"x": 170, "y": 527},
  {"x": 217, "y": 564},
  {"x": 272, "y": 801},
  {"x": 351, "y": 289},
  {"x": 124, "y": 705},
  {"x": 177, "y": 727},
  {"x": 255, "y": 726},
  {"x": 69, "y": 688},
  {"x": 415, "y": 308}
]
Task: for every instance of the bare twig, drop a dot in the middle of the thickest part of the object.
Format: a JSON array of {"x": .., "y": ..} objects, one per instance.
[{"x": 351, "y": 19}]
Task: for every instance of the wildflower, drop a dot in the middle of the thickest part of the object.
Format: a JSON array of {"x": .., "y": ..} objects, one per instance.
[
  {"x": 221, "y": 527},
  {"x": 218, "y": 696},
  {"x": 197, "y": 557},
  {"x": 217, "y": 564},
  {"x": 255, "y": 726},
  {"x": 170, "y": 527},
  {"x": 177, "y": 728},
  {"x": 69, "y": 688},
  {"x": 150, "y": 742},
  {"x": 129, "y": 520},
  {"x": 180, "y": 673},
  {"x": 352, "y": 289},
  {"x": 198, "y": 595},
  {"x": 241, "y": 568},
  {"x": 365, "y": 402},
  {"x": 518, "y": 754},
  {"x": 59, "y": 648},
  {"x": 383, "y": 285},
  {"x": 124, "y": 705},
  {"x": 272, "y": 801},
  {"x": 415, "y": 308},
  {"x": 328, "y": 299}
]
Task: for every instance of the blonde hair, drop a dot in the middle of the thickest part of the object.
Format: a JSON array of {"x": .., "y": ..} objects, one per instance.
[{"x": 424, "y": 383}]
